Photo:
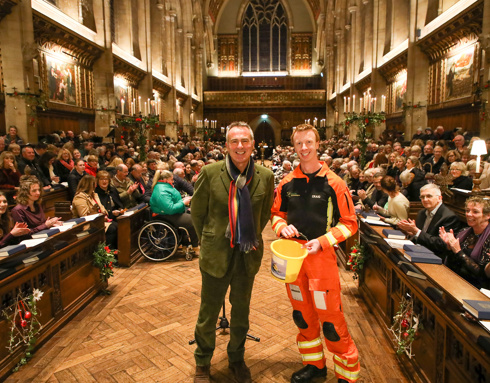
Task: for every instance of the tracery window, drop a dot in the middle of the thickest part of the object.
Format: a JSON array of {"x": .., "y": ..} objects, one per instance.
[{"x": 264, "y": 36}]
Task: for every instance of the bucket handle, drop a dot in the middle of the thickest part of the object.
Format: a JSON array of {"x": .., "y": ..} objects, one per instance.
[{"x": 304, "y": 236}]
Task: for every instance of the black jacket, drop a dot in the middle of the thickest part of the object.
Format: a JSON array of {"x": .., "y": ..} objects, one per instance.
[
  {"x": 73, "y": 180},
  {"x": 463, "y": 182},
  {"x": 109, "y": 199},
  {"x": 430, "y": 239}
]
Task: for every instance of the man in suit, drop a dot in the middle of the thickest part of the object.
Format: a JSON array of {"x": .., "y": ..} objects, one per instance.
[
  {"x": 229, "y": 230},
  {"x": 425, "y": 229}
]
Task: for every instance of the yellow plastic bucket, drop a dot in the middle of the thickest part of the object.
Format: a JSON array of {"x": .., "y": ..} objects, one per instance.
[{"x": 287, "y": 258}]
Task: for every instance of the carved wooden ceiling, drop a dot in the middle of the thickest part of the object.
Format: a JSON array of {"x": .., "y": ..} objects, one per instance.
[
  {"x": 390, "y": 69},
  {"x": 52, "y": 36},
  {"x": 6, "y": 7},
  {"x": 133, "y": 75},
  {"x": 467, "y": 26}
]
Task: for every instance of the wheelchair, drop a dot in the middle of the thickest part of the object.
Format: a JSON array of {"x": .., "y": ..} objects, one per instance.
[{"x": 158, "y": 240}]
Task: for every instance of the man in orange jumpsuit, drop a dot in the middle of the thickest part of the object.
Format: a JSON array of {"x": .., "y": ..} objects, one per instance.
[{"x": 313, "y": 202}]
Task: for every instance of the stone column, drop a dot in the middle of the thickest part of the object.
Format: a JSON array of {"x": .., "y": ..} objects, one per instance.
[
  {"x": 171, "y": 99},
  {"x": 104, "y": 99},
  {"x": 417, "y": 80},
  {"x": 187, "y": 58},
  {"x": 17, "y": 38},
  {"x": 485, "y": 42}
]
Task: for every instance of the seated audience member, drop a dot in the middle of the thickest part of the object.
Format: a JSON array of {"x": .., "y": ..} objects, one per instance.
[
  {"x": 397, "y": 206},
  {"x": 282, "y": 172},
  {"x": 465, "y": 156},
  {"x": 91, "y": 165},
  {"x": 63, "y": 165},
  {"x": 12, "y": 137},
  {"x": 127, "y": 189},
  {"x": 28, "y": 165},
  {"x": 136, "y": 176},
  {"x": 379, "y": 197},
  {"x": 151, "y": 165},
  {"x": 436, "y": 161},
  {"x": 427, "y": 155},
  {"x": 167, "y": 201},
  {"x": 9, "y": 174},
  {"x": 470, "y": 249},
  {"x": 460, "y": 178},
  {"x": 87, "y": 202},
  {"x": 129, "y": 162},
  {"x": 416, "y": 179},
  {"x": 425, "y": 229},
  {"x": 108, "y": 196},
  {"x": 7, "y": 232},
  {"x": 111, "y": 167},
  {"x": 354, "y": 182},
  {"x": 452, "y": 156},
  {"x": 75, "y": 176},
  {"x": 2, "y": 144},
  {"x": 28, "y": 208},
  {"x": 77, "y": 155},
  {"x": 392, "y": 169},
  {"x": 459, "y": 144},
  {"x": 40, "y": 149},
  {"x": 181, "y": 184},
  {"x": 15, "y": 150},
  {"x": 46, "y": 163}
]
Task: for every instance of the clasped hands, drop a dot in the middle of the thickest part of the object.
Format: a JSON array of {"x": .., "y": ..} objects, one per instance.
[{"x": 312, "y": 246}]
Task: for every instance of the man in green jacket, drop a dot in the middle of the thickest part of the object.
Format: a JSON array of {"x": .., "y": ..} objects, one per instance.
[{"x": 230, "y": 208}]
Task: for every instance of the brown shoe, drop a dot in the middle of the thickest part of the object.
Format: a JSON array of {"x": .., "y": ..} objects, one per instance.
[
  {"x": 202, "y": 374},
  {"x": 241, "y": 372}
]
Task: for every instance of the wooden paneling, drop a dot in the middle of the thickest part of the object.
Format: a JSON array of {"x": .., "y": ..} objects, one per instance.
[{"x": 128, "y": 228}]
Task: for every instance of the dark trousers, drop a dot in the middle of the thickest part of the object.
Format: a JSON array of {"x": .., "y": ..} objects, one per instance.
[
  {"x": 111, "y": 235},
  {"x": 212, "y": 296},
  {"x": 183, "y": 220}
]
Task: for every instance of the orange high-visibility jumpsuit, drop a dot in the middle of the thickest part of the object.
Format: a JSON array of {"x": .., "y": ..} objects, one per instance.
[{"x": 319, "y": 207}]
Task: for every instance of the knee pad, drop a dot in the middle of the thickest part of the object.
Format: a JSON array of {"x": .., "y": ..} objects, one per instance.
[
  {"x": 299, "y": 320},
  {"x": 329, "y": 332}
]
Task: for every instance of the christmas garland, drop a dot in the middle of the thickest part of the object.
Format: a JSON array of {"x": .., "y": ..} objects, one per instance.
[
  {"x": 406, "y": 326},
  {"x": 24, "y": 325},
  {"x": 140, "y": 127},
  {"x": 357, "y": 258},
  {"x": 104, "y": 260},
  {"x": 363, "y": 121}
]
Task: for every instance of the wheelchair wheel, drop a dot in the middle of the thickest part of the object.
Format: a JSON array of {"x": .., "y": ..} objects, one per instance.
[{"x": 157, "y": 241}]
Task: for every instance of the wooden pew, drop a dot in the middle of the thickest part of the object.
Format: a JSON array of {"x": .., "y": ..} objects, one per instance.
[
  {"x": 450, "y": 348},
  {"x": 67, "y": 278},
  {"x": 127, "y": 236},
  {"x": 50, "y": 198}
]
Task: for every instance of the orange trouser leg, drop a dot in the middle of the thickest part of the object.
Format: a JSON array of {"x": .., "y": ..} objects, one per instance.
[
  {"x": 315, "y": 297},
  {"x": 306, "y": 319}
]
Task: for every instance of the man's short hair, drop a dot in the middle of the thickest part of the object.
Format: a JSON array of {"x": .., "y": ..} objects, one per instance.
[
  {"x": 303, "y": 128},
  {"x": 239, "y": 124},
  {"x": 434, "y": 187},
  {"x": 120, "y": 168}
]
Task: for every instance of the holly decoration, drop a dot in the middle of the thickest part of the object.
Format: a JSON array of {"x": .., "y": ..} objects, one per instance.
[
  {"x": 356, "y": 260},
  {"x": 406, "y": 327},
  {"x": 363, "y": 122},
  {"x": 104, "y": 260},
  {"x": 24, "y": 325}
]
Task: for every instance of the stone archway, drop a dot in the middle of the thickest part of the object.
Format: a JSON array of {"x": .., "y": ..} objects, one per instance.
[{"x": 267, "y": 129}]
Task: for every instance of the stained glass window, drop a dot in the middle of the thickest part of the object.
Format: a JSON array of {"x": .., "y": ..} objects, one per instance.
[{"x": 264, "y": 36}]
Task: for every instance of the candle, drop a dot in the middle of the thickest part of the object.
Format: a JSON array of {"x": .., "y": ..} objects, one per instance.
[
  {"x": 360, "y": 105},
  {"x": 139, "y": 104},
  {"x": 374, "y": 104},
  {"x": 478, "y": 163},
  {"x": 354, "y": 103},
  {"x": 122, "y": 106},
  {"x": 345, "y": 106},
  {"x": 146, "y": 110},
  {"x": 348, "y": 104},
  {"x": 149, "y": 107},
  {"x": 134, "y": 106}
]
